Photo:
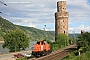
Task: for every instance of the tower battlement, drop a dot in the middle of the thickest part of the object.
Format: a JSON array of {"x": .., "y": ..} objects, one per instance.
[{"x": 61, "y": 6}]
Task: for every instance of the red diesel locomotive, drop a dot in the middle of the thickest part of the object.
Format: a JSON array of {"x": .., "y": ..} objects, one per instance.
[{"x": 41, "y": 48}]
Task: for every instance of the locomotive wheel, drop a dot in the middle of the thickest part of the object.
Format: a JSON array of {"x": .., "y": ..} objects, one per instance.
[{"x": 45, "y": 52}]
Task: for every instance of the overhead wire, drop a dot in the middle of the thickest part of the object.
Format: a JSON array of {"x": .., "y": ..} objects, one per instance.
[
  {"x": 10, "y": 16},
  {"x": 13, "y": 8},
  {"x": 29, "y": 16}
]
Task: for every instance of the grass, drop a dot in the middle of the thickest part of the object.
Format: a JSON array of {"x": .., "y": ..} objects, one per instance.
[{"x": 24, "y": 58}]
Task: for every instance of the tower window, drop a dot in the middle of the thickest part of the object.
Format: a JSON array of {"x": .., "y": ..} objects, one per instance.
[{"x": 64, "y": 32}]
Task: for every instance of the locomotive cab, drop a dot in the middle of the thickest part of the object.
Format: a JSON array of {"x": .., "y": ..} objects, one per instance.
[{"x": 41, "y": 48}]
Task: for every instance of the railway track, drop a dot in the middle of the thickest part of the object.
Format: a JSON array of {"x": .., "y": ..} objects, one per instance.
[{"x": 57, "y": 55}]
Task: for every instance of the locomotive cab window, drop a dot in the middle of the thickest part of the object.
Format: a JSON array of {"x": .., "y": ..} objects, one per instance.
[{"x": 38, "y": 43}]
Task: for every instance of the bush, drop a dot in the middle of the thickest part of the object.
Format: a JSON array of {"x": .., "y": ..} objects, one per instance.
[{"x": 73, "y": 56}]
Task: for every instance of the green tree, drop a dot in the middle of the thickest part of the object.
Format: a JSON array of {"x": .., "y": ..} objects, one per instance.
[
  {"x": 16, "y": 40},
  {"x": 84, "y": 42},
  {"x": 62, "y": 40}
]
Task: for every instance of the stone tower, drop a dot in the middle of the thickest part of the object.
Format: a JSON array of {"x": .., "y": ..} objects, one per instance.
[{"x": 61, "y": 19}]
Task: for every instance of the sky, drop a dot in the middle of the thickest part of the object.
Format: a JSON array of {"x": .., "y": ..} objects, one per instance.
[{"x": 41, "y": 13}]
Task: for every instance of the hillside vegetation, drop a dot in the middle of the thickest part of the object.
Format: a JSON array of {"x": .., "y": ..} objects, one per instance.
[
  {"x": 35, "y": 34},
  {"x": 5, "y": 25}
]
